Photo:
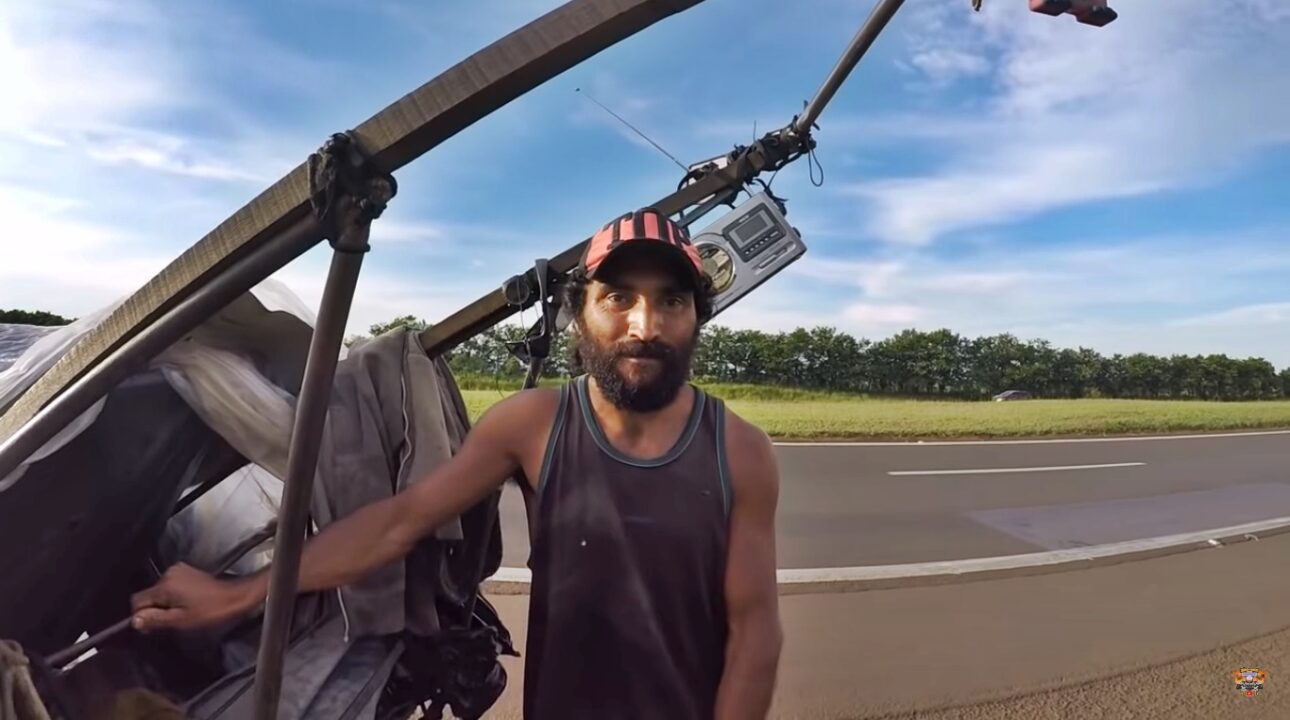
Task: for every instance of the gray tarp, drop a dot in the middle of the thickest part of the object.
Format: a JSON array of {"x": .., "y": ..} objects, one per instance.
[{"x": 395, "y": 414}]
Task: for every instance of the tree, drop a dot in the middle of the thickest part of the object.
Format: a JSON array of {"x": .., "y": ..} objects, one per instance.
[
  {"x": 33, "y": 317},
  {"x": 939, "y": 363}
]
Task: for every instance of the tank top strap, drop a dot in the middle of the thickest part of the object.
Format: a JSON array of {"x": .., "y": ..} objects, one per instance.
[
  {"x": 592, "y": 426},
  {"x": 575, "y": 431},
  {"x": 628, "y": 558},
  {"x": 562, "y": 413}
]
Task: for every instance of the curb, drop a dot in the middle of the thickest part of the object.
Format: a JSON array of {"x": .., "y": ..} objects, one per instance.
[{"x": 792, "y": 581}]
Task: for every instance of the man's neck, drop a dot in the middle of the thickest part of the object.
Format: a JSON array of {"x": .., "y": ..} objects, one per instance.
[{"x": 649, "y": 431}]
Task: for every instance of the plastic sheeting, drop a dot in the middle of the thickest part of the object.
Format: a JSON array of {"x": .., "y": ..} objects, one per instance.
[
  {"x": 88, "y": 493},
  {"x": 79, "y": 526},
  {"x": 204, "y": 532},
  {"x": 42, "y": 355},
  {"x": 98, "y": 500},
  {"x": 269, "y": 326},
  {"x": 238, "y": 372},
  {"x": 15, "y": 339},
  {"x": 28, "y": 368},
  {"x": 234, "y": 398},
  {"x": 324, "y": 678}
]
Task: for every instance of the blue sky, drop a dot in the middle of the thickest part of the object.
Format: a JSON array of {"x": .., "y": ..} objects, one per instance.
[{"x": 1124, "y": 188}]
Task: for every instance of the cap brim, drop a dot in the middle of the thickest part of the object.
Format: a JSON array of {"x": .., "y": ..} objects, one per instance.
[{"x": 684, "y": 265}]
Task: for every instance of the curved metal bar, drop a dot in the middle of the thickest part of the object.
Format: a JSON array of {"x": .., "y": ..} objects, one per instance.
[
  {"x": 135, "y": 353},
  {"x": 402, "y": 132}
]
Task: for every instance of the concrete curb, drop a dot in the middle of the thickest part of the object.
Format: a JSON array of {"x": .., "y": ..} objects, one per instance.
[{"x": 516, "y": 581}]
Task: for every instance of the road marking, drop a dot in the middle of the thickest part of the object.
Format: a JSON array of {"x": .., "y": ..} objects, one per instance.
[
  {"x": 1076, "y": 557},
  {"x": 1047, "y": 441},
  {"x": 992, "y": 471}
]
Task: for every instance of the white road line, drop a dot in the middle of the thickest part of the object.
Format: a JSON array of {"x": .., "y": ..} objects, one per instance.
[
  {"x": 992, "y": 471},
  {"x": 1046, "y": 441},
  {"x": 808, "y": 576}
]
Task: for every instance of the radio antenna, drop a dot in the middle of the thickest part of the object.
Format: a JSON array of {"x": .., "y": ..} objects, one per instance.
[{"x": 638, "y": 132}]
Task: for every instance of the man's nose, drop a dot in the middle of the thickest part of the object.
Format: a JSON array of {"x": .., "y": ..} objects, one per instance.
[{"x": 644, "y": 321}]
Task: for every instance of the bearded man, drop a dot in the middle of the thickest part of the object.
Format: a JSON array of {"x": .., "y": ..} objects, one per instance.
[{"x": 651, "y": 506}]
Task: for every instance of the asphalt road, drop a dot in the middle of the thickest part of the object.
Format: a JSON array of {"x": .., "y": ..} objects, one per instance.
[
  {"x": 1153, "y": 640},
  {"x": 877, "y": 504}
]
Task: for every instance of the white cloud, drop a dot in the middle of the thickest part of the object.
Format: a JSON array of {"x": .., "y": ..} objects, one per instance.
[
  {"x": 387, "y": 230},
  {"x": 1163, "y": 295},
  {"x": 1264, "y": 315},
  {"x": 873, "y": 277},
  {"x": 71, "y": 266},
  {"x": 104, "y": 176},
  {"x": 942, "y": 65},
  {"x": 57, "y": 262},
  {"x": 876, "y": 316},
  {"x": 109, "y": 81},
  {"x": 65, "y": 67},
  {"x": 382, "y": 295},
  {"x": 1170, "y": 95},
  {"x": 113, "y": 187},
  {"x": 170, "y": 154}
]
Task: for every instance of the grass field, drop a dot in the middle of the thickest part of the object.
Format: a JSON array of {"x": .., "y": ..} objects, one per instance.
[{"x": 791, "y": 414}]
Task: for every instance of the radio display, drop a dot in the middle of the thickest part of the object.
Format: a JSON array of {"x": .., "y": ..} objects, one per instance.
[{"x": 748, "y": 230}]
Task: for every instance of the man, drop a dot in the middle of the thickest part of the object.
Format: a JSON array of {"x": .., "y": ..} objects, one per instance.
[{"x": 651, "y": 505}]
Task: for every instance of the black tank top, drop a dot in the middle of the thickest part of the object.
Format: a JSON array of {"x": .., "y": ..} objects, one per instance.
[{"x": 627, "y": 613}]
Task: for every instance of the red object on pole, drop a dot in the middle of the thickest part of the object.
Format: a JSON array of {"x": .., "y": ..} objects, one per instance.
[{"x": 1089, "y": 12}]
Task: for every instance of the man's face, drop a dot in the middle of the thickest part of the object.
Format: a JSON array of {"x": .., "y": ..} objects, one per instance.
[{"x": 638, "y": 332}]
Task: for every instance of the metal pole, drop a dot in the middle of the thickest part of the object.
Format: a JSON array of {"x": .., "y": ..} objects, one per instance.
[
  {"x": 868, "y": 32},
  {"x": 302, "y": 458},
  {"x": 222, "y": 565},
  {"x": 170, "y": 328},
  {"x": 494, "y": 307}
]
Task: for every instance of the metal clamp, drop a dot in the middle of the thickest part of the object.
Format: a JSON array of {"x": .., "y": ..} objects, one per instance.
[
  {"x": 341, "y": 169},
  {"x": 519, "y": 291}
]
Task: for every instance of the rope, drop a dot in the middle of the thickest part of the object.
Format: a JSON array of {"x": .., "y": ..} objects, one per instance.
[{"x": 18, "y": 697}]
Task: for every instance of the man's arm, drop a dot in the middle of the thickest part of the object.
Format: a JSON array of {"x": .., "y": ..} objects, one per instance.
[
  {"x": 370, "y": 538},
  {"x": 752, "y": 599}
]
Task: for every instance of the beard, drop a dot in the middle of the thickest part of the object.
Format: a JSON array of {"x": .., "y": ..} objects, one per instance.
[{"x": 660, "y": 385}]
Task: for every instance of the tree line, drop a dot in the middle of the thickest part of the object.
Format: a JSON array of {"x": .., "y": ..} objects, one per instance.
[
  {"x": 938, "y": 363},
  {"x": 33, "y": 317}
]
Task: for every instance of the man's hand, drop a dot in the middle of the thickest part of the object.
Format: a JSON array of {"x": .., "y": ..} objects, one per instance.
[
  {"x": 187, "y": 598},
  {"x": 371, "y": 537}
]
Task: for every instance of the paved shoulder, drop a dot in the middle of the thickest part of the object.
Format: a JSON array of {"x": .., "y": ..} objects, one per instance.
[
  {"x": 892, "y": 653},
  {"x": 1197, "y": 687},
  {"x": 899, "y": 651}
]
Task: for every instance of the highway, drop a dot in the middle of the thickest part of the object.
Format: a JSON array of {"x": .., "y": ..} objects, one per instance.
[
  {"x": 1149, "y": 640},
  {"x": 844, "y": 505},
  {"x": 1154, "y": 639}
]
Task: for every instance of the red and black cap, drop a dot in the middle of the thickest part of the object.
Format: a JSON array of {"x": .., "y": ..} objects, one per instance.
[{"x": 644, "y": 225}]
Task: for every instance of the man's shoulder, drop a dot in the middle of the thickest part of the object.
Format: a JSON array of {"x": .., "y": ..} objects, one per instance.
[
  {"x": 743, "y": 437},
  {"x": 750, "y": 458},
  {"x": 528, "y": 406}
]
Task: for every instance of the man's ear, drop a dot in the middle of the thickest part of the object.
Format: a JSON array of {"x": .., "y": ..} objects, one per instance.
[{"x": 574, "y": 328}]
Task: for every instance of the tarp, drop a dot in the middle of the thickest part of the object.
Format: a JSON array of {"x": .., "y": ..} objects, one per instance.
[
  {"x": 269, "y": 326},
  {"x": 87, "y": 520}
]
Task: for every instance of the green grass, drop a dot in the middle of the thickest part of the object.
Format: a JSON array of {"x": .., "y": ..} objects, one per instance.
[{"x": 788, "y": 413}]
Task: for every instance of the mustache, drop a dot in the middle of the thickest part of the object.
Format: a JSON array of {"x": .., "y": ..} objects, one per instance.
[{"x": 651, "y": 350}]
